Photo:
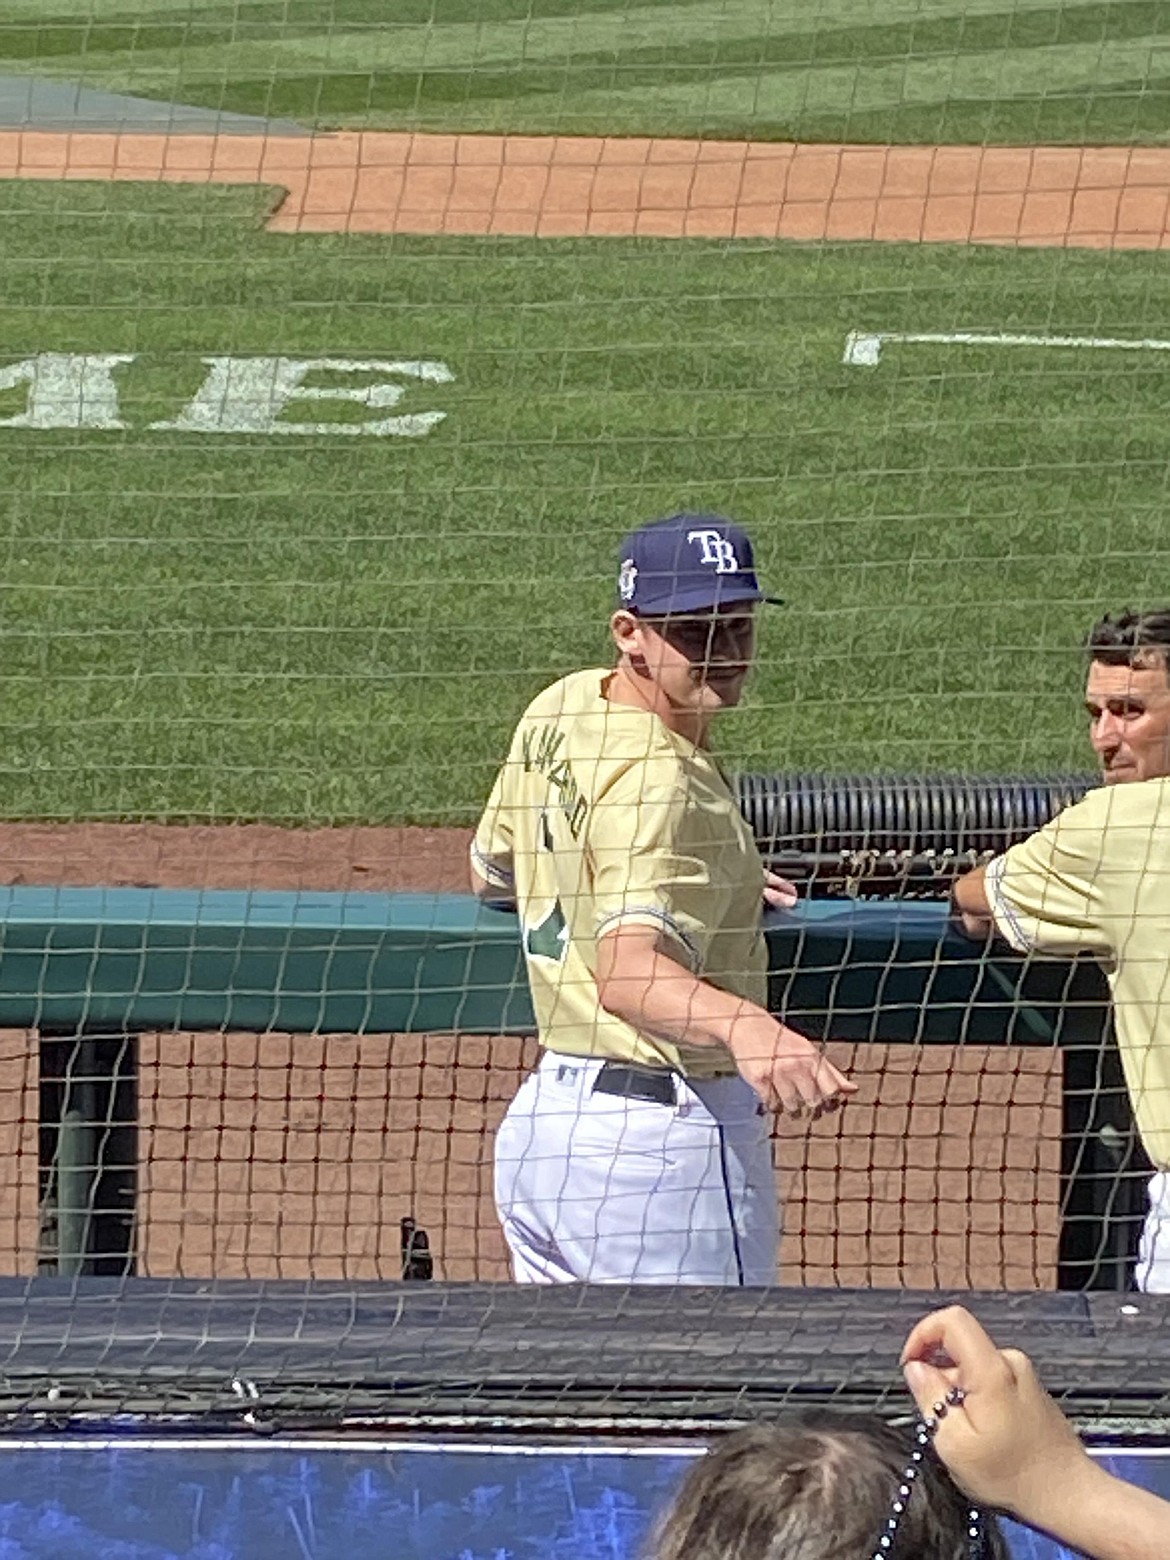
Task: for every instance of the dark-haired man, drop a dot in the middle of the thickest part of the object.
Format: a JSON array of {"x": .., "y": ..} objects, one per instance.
[
  {"x": 638, "y": 1151},
  {"x": 1097, "y": 880}
]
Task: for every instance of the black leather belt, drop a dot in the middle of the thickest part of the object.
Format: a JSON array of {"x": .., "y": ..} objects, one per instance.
[{"x": 636, "y": 1083}]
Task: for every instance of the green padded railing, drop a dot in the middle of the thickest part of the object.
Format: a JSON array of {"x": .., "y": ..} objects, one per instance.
[{"x": 130, "y": 958}]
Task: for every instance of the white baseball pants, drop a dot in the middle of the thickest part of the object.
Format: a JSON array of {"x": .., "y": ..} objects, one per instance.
[
  {"x": 1153, "y": 1266},
  {"x": 596, "y": 1188}
]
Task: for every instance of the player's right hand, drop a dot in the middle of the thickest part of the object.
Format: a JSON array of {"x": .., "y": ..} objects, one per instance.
[
  {"x": 789, "y": 1073},
  {"x": 1007, "y": 1444}
]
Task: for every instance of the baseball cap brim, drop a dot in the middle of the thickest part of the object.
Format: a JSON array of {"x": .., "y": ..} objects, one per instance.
[{"x": 705, "y": 600}]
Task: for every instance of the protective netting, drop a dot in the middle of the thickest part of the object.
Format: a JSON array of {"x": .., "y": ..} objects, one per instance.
[
  {"x": 299, "y": 1156},
  {"x": 339, "y": 350},
  {"x": 257, "y": 1358}
]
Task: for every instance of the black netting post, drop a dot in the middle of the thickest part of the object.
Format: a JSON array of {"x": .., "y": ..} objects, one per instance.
[
  {"x": 88, "y": 1152},
  {"x": 1104, "y": 1171},
  {"x": 417, "y": 1259}
]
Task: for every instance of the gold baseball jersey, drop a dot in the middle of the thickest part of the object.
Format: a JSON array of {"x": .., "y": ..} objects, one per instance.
[
  {"x": 603, "y": 817},
  {"x": 1097, "y": 880}
]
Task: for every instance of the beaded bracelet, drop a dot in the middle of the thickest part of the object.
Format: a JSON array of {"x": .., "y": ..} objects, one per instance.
[{"x": 923, "y": 1435}]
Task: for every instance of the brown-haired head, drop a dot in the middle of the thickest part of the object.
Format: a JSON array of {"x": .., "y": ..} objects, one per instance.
[
  {"x": 1131, "y": 638},
  {"x": 820, "y": 1488},
  {"x": 1127, "y": 694}
]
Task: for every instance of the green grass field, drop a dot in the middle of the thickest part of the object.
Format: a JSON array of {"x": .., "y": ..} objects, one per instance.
[
  {"x": 332, "y": 629},
  {"x": 860, "y": 70}
]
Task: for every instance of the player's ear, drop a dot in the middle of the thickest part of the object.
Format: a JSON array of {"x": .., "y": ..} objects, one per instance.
[{"x": 627, "y": 633}]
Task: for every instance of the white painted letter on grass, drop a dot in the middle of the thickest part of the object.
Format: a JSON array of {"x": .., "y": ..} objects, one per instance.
[
  {"x": 251, "y": 395},
  {"x": 66, "y": 390}
]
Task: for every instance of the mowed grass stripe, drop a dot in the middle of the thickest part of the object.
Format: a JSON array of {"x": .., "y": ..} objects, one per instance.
[
  {"x": 881, "y": 78},
  {"x": 68, "y": 12},
  {"x": 993, "y": 75},
  {"x": 1135, "y": 111},
  {"x": 276, "y": 17},
  {"x": 746, "y": 67},
  {"x": 618, "y": 31},
  {"x": 1089, "y": 96},
  {"x": 340, "y": 629},
  {"x": 627, "y": 42},
  {"x": 740, "y": 29}
]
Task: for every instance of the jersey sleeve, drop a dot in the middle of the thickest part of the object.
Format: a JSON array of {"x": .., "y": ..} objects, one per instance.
[
  {"x": 491, "y": 847},
  {"x": 1046, "y": 893},
  {"x": 647, "y": 873}
]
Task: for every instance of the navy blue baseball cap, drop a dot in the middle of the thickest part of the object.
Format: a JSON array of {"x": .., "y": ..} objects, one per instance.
[{"x": 687, "y": 563}]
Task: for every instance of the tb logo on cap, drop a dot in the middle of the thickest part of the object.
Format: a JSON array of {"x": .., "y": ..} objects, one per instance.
[{"x": 717, "y": 550}]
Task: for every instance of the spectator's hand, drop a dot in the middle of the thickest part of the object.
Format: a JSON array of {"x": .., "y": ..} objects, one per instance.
[
  {"x": 788, "y": 1072},
  {"x": 1007, "y": 1444},
  {"x": 779, "y": 893}
]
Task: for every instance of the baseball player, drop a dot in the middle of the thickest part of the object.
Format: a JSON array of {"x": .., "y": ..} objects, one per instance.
[
  {"x": 638, "y": 1151},
  {"x": 1097, "y": 880}
]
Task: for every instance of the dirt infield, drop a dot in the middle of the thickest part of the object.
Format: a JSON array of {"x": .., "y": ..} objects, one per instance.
[
  {"x": 280, "y": 1156},
  {"x": 252, "y": 855},
  {"x": 561, "y": 186}
]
